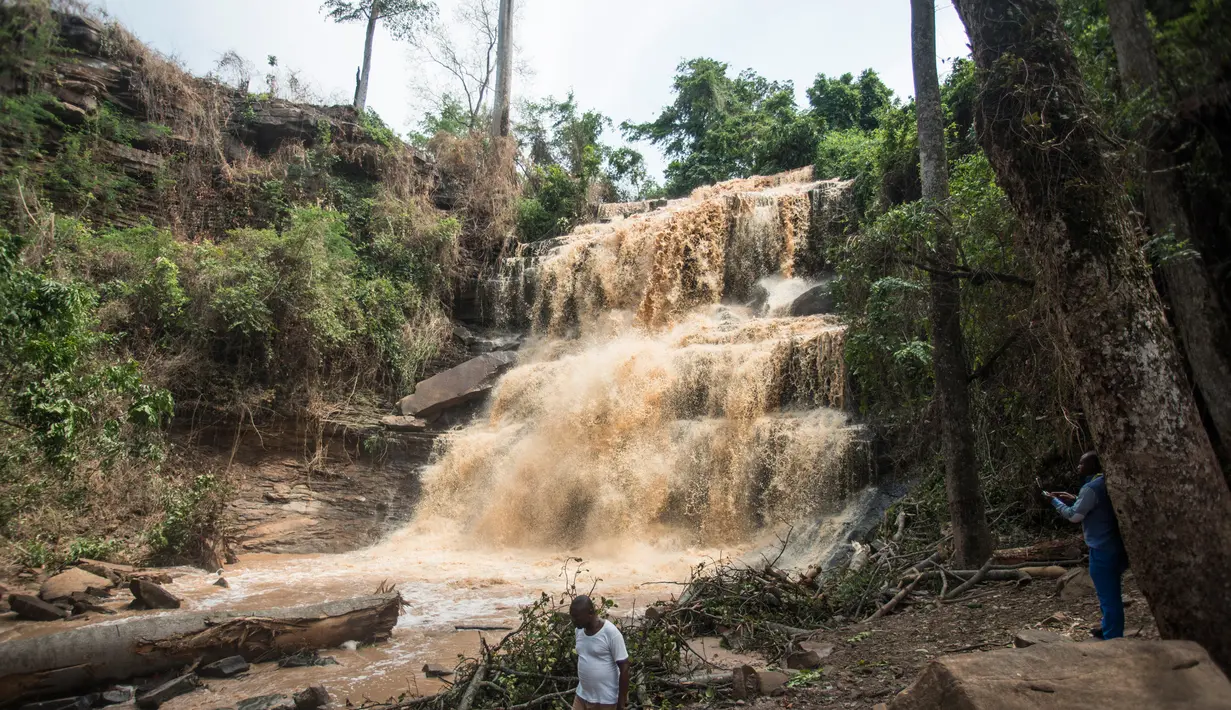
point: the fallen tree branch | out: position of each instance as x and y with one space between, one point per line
538 700
889 605
974 579
475 683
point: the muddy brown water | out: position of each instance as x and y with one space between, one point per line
446 579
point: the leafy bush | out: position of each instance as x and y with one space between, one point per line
190 518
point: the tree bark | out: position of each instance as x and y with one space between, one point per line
971 537
1039 134
361 92
1198 314
504 70
60 663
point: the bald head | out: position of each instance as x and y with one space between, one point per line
582 611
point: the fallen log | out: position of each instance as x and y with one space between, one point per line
1041 552
143 645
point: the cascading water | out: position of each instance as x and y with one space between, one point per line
646 407
654 421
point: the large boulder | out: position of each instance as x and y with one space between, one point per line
456 386
35 609
71 581
1075 584
1111 674
815 301
148 595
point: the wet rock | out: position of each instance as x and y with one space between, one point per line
171 689
814 301
74 580
307 659
396 423
1030 637
151 596
758 301
225 668
434 671
35 609
115 572
84 603
771 682
222 582
152 575
1075 584
311 698
1124 673
267 702
456 386
117 695
80 702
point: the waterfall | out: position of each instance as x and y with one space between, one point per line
653 401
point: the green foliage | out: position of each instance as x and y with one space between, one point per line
452 117
190 517
721 127
375 128
571 166
842 103
401 18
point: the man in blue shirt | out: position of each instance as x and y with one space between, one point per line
1108 560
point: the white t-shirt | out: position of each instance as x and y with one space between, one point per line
596 664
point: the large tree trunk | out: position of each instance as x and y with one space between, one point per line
504 70
60 663
971 536
361 91
1198 314
1040 135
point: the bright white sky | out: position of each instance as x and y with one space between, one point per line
618 56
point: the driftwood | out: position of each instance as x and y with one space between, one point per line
60 663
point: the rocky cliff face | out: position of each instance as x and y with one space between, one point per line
196 153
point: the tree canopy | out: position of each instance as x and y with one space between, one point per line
721 127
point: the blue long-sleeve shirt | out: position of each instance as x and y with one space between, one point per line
1093 510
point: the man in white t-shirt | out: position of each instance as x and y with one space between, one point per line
602 660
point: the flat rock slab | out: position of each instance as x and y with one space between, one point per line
1124 673
434 671
1030 637
73 580
225 668
115 572
396 423
171 689
456 386
35 609
152 596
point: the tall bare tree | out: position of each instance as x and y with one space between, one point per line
504 71
464 52
1044 142
401 18
971 536
1199 317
